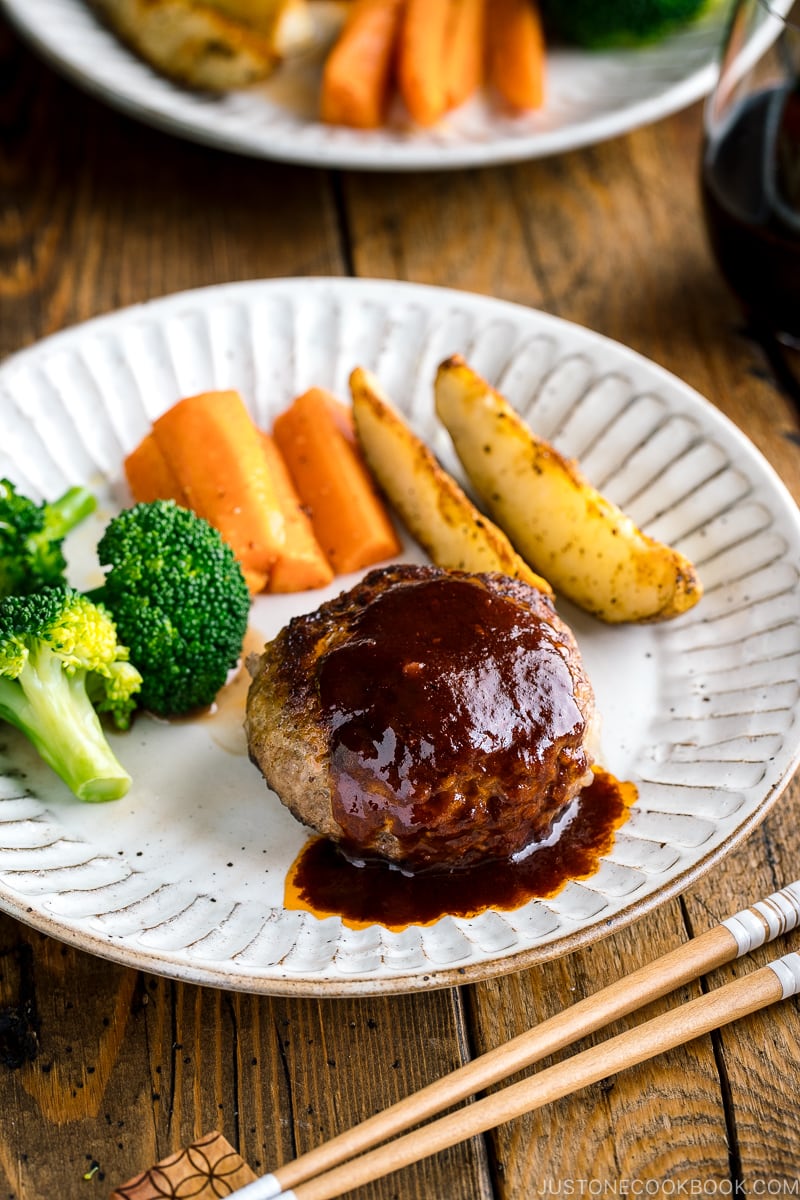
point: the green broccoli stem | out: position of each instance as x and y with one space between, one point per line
68 511
52 708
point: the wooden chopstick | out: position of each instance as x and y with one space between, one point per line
732 938
737 999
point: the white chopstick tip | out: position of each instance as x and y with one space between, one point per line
788 971
267 1187
766 919
752 927
748 930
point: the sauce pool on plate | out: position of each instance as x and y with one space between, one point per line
324 882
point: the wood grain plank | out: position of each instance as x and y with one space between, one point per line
98 211
75 1100
660 1121
141 1065
758 1058
350 1058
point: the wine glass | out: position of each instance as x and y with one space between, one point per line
751 165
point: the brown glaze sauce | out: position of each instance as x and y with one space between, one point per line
322 881
454 723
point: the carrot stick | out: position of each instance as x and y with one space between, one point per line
300 564
150 476
315 436
216 454
465 50
357 76
422 59
516 52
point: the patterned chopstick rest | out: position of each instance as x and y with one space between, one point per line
208 1169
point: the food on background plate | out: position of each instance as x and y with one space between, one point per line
432 55
61 663
436 511
619 22
515 53
464 65
283 20
421 53
429 717
213 44
357 75
435 54
585 546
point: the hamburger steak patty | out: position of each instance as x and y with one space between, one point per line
431 717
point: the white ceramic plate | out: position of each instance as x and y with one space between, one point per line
185 876
591 96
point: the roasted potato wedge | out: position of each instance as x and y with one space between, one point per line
434 509
588 549
288 24
206 45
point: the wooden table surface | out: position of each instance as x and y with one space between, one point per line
97 211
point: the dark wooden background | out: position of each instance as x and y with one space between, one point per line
97 211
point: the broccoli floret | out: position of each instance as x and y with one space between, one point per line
31 536
180 601
60 659
619 22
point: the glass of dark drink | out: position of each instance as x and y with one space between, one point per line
751 164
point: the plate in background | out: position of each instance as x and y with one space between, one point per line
591 96
185 875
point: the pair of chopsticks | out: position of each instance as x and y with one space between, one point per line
348 1161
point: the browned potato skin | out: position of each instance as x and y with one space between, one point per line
434 509
588 549
210 44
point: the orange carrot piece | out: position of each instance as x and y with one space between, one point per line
315 436
216 454
357 76
150 476
516 52
300 565
465 50
256 580
422 59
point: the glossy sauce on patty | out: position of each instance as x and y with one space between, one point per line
451 709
